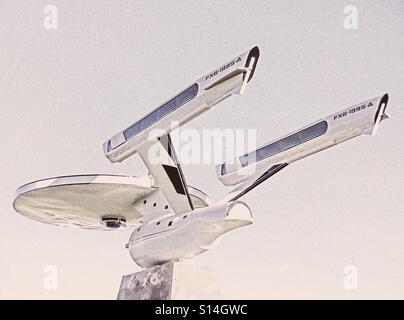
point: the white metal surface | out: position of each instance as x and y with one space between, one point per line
82 201
183 236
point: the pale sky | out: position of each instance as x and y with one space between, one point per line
64 92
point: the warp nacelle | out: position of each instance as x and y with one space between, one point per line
363 118
230 78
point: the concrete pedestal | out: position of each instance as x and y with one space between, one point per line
171 281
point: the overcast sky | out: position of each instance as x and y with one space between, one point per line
64 91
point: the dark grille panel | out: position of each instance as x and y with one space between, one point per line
286 143
162 111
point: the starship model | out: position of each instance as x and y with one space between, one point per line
173 221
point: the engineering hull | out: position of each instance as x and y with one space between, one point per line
179 237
